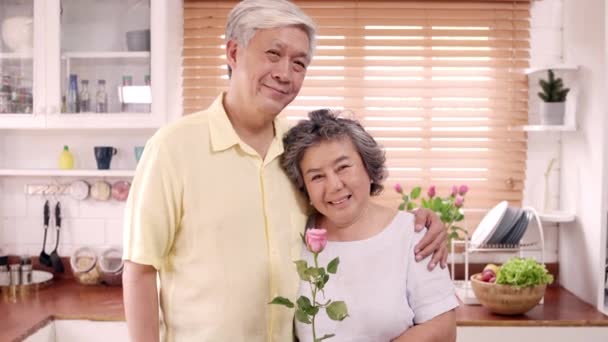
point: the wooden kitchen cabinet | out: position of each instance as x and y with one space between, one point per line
87 38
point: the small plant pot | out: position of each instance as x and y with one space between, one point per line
552 113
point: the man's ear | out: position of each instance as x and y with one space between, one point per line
231 51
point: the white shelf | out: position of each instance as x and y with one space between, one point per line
15 55
557 217
552 67
544 128
65 173
106 55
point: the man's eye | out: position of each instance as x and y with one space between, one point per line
343 167
316 177
272 52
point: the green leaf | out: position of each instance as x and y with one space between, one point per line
401 206
303 303
302 266
411 206
326 336
337 311
523 273
306 306
315 272
302 316
282 301
332 267
436 206
425 203
415 193
322 281
405 198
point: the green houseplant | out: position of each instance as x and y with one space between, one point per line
553 96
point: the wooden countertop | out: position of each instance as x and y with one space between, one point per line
66 299
63 299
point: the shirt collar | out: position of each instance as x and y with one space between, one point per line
223 135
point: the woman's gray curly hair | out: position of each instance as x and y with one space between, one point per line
326 125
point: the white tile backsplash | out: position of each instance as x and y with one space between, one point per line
84 223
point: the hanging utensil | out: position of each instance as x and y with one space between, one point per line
44 258
55 259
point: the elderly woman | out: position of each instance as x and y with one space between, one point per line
338 166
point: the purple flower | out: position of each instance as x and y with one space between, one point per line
463 190
454 190
431 192
398 188
459 201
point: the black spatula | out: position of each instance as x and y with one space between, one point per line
44 258
55 259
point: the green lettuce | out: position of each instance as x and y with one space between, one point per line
523 273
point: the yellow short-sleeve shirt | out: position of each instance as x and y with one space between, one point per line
221 225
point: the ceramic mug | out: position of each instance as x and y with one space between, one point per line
103 156
138 151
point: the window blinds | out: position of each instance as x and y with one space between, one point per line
440 84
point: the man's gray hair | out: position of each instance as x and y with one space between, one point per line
250 15
325 125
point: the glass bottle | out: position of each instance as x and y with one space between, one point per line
72 97
101 98
146 107
127 80
85 100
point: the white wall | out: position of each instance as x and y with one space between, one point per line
582 243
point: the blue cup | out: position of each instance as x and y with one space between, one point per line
103 156
138 151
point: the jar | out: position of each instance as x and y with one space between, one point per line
110 266
5 276
15 270
83 262
26 274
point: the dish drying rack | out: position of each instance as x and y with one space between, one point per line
463 288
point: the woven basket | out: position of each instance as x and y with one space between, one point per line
506 299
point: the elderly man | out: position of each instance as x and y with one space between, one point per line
210 211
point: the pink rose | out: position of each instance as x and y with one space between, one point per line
463 190
398 188
459 201
454 190
431 192
316 239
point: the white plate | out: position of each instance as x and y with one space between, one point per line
489 223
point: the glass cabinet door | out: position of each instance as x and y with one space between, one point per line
16 58
105 68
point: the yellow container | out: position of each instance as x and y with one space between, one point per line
66 160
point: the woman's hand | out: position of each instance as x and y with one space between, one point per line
434 241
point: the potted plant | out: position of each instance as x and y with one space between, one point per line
553 106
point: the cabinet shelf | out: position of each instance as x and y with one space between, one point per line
544 128
15 55
105 55
557 217
65 173
552 67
